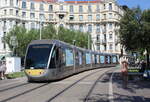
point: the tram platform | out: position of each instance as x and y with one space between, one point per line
138 89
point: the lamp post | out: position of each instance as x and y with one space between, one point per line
14 43
40 29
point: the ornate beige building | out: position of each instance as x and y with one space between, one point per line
99 18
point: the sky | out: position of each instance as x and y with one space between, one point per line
144 4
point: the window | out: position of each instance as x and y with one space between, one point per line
72 27
50 8
98 47
32 6
17 13
104 6
32 25
42 17
5 12
69 57
89 8
110 46
110 15
110 6
71 17
32 15
11 3
50 16
5 2
88 58
97 8
80 9
61 7
110 25
98 37
98 28
11 11
81 17
110 36
17 2
23 4
104 15
90 17
41 7
23 14
34 60
102 59
24 24
71 9
81 27
90 28
98 17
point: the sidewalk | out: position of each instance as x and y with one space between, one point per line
138 90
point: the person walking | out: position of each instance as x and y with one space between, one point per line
124 71
3 70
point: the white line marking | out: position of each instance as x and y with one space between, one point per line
111 96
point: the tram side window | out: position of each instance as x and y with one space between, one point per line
88 58
54 58
63 62
69 57
102 59
108 59
114 59
77 58
93 58
97 59
80 58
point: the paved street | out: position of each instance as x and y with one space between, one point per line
98 85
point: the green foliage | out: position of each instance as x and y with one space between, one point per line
24 37
135 29
15 75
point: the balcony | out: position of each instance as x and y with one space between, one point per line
10 17
97 42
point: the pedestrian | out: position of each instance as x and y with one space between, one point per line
124 71
3 70
143 66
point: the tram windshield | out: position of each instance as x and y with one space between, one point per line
37 56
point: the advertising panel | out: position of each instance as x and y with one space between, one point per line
88 58
102 59
69 57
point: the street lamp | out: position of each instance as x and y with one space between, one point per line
14 43
40 29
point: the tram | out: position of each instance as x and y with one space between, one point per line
48 60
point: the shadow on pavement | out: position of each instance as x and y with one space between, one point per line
138 90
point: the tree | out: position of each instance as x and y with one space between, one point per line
134 30
24 37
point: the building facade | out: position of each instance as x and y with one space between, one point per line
99 18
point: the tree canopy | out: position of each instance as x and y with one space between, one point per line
135 30
24 37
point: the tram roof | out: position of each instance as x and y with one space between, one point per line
64 44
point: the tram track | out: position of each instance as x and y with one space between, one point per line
87 97
73 84
24 92
12 87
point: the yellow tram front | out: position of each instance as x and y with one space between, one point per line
37 60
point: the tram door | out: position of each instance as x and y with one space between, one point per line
55 59
58 59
